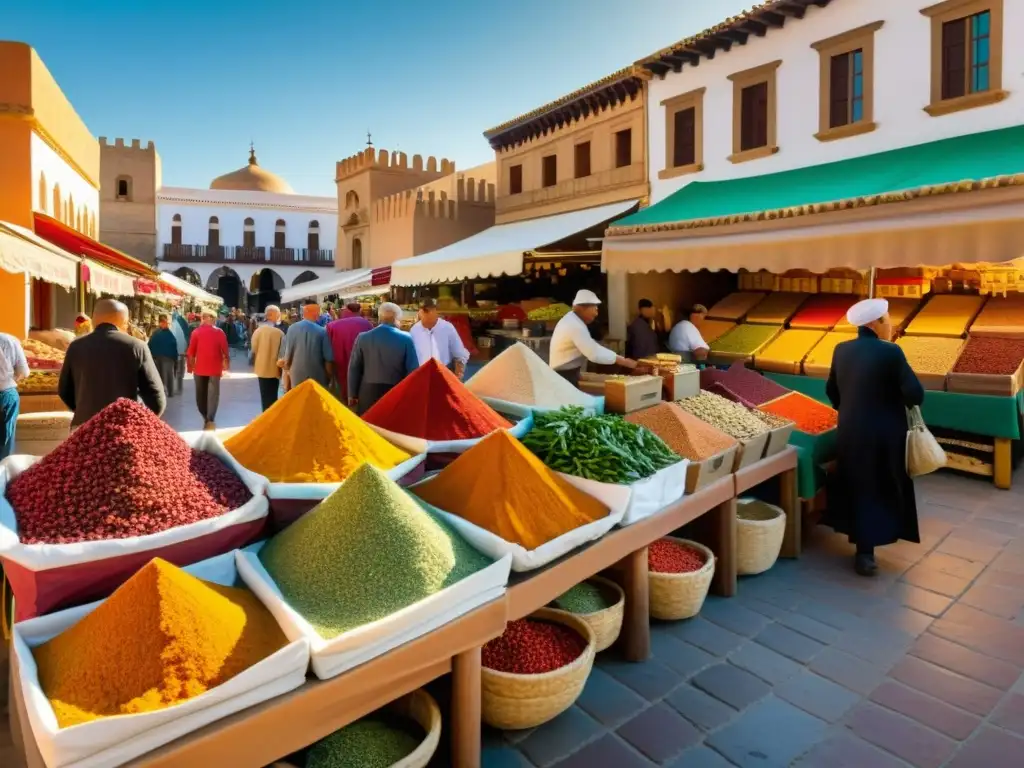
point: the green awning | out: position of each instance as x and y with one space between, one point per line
978 160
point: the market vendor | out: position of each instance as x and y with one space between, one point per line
685 338
436 337
572 345
641 337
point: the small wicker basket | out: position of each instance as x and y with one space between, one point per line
516 702
760 529
676 596
606 623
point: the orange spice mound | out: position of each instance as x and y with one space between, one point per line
501 487
683 432
808 414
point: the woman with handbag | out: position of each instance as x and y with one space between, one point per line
871 496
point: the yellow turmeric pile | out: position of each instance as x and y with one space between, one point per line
309 437
500 486
162 638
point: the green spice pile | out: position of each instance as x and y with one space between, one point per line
373 742
725 415
604 448
582 599
745 339
365 552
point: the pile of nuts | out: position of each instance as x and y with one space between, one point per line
725 415
930 354
772 420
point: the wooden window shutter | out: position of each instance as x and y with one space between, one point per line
954 59
684 152
754 117
839 91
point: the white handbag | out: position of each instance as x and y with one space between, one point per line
924 454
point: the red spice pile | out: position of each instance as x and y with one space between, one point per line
123 473
822 311
432 404
808 414
667 556
531 647
751 385
990 355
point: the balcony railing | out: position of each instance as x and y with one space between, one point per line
596 183
248 255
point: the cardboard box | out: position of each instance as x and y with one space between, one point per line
623 394
751 451
702 473
680 385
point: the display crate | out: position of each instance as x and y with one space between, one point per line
736 305
947 315
777 308
786 352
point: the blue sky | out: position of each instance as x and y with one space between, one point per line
306 80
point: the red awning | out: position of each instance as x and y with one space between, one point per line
380 276
75 242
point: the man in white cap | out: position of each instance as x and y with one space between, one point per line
870 495
572 345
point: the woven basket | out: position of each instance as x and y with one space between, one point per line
760 528
516 702
676 596
606 623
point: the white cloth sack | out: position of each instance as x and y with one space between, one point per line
330 658
523 559
38 557
320 491
521 411
120 738
645 497
924 454
419 445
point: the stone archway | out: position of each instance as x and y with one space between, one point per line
226 283
189 276
305 277
264 288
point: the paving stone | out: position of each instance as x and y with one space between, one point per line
991 748
999 601
704 711
969 550
814 694
770 666
919 746
896 616
945 685
607 700
607 752
660 733
676 654
732 685
651 679
952 565
707 636
850 672
953 722
813 628
844 750
830 615
878 645
770 733
768 610
789 643
730 615
502 757
931 603
554 740
700 757
1010 714
936 581
957 658
982 632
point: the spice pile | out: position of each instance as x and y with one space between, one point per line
583 599
608 449
162 638
519 375
823 311
42 357
736 305
808 414
900 310
823 351
946 315
432 404
751 385
533 647
777 308
930 354
377 741
309 437
123 473
550 312
1001 316
668 556
725 415
991 355
712 330
501 487
789 346
744 339
365 552
685 434
724 390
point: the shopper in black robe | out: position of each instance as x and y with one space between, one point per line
871 496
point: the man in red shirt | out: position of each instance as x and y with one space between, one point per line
208 360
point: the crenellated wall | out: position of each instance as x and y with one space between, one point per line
129 221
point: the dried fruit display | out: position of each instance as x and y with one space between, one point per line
789 346
39 383
745 339
823 311
946 315
991 356
900 311
736 305
42 357
930 354
777 308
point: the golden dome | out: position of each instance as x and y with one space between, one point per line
252 178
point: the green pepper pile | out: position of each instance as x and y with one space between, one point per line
605 448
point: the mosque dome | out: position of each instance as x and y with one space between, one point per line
252 178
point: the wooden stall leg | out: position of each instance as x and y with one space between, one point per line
465 723
1002 467
724 547
790 503
636 619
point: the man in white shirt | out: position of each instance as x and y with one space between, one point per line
436 337
685 338
572 345
13 368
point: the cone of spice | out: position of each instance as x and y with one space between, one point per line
684 433
309 437
431 403
519 375
503 488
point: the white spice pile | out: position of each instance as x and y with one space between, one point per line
519 375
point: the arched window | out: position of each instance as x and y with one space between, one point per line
351 200
357 254
124 188
249 234
69 217
279 232
313 236
58 210
176 229
213 233
44 193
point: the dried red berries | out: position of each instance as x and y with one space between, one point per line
667 556
990 355
533 647
123 473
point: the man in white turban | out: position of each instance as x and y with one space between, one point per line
871 496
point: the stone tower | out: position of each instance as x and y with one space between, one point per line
129 181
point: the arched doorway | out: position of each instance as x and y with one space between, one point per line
189 276
305 277
225 282
264 288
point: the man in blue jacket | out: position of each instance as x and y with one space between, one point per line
164 348
381 358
